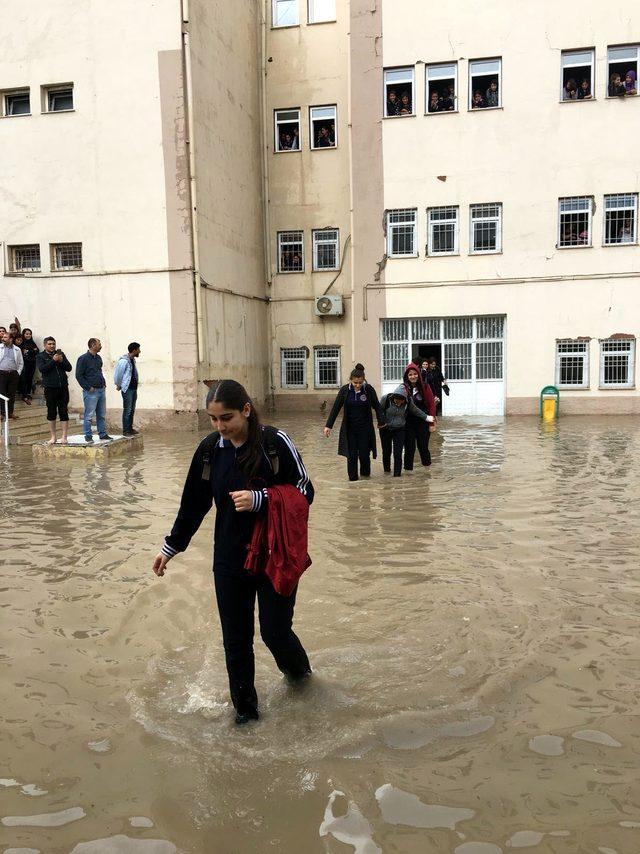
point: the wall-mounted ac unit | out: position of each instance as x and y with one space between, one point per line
329 305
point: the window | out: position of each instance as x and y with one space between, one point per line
443 231
58 99
395 349
489 360
287 130
24 259
322 130
442 88
401 233
622 63
574 221
457 360
572 363
620 219
326 249
485 229
285 13
17 103
290 252
398 92
321 10
293 367
485 84
66 256
617 362
326 367
577 75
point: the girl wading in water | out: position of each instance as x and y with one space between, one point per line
233 468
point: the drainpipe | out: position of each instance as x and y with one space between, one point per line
195 249
351 185
266 217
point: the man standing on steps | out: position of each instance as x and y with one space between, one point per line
126 379
89 375
54 367
11 365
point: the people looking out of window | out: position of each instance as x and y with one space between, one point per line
326 137
625 235
493 97
405 105
584 90
434 102
289 141
630 83
442 102
570 91
393 103
616 86
478 102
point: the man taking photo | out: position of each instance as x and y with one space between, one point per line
54 367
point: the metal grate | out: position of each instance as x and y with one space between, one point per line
66 256
293 367
401 232
395 330
489 360
620 218
490 327
327 367
486 228
617 359
574 221
395 358
457 328
572 363
457 361
325 249
443 230
24 259
425 330
290 252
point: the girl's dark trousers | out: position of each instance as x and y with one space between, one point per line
392 440
416 433
26 379
236 596
359 447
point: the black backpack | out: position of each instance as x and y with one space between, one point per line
269 444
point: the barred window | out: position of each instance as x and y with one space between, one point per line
457 361
66 256
285 13
16 103
489 360
457 328
58 99
401 232
576 82
485 83
395 358
395 330
486 228
620 219
326 367
574 221
398 92
427 329
572 363
24 259
326 249
290 252
286 130
293 367
443 231
490 327
617 362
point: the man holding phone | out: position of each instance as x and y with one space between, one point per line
54 367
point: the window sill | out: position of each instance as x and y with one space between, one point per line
573 387
21 273
471 109
290 272
68 270
577 100
619 97
616 388
284 26
402 257
581 246
487 252
618 245
440 113
324 147
393 118
316 24
18 116
55 112
442 255
288 151
326 270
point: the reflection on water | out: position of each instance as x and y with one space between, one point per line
473 628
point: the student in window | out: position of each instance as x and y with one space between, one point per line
478 101
616 86
493 97
434 102
405 105
326 138
449 99
584 91
289 141
625 235
393 103
630 86
583 237
570 91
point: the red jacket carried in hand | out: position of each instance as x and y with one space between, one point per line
278 547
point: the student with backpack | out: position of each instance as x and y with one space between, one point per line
233 468
395 407
417 430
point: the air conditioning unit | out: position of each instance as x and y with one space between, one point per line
327 306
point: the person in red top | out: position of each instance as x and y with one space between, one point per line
417 432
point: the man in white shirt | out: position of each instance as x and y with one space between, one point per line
11 365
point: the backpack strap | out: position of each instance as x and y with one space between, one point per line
270 445
207 452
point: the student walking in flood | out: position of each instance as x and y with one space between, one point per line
235 468
395 408
357 441
417 431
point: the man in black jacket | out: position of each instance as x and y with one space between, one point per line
54 367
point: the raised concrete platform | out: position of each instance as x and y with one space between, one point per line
77 447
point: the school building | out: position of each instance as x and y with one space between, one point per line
274 190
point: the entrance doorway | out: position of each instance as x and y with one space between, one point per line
428 351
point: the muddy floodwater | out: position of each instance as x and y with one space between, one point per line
474 630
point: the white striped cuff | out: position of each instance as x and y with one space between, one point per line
259 498
167 550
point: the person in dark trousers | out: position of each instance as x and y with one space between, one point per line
232 468
89 375
11 366
54 367
436 381
30 352
357 441
125 377
417 431
394 408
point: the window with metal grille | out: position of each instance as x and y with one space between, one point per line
442 88
58 99
395 358
457 361
24 259
395 330
443 231
576 82
485 83
290 252
617 362
401 232
620 61
326 367
321 10
486 228
293 367
398 92
322 127
285 13
490 327
458 328
287 130
489 360
66 256
574 221
326 249
17 103
572 363
620 219
427 329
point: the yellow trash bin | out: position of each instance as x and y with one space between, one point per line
549 403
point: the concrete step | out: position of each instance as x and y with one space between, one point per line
24 434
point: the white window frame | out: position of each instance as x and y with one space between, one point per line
276 130
476 62
312 136
589 210
473 218
408 80
282 243
566 55
292 355
632 208
58 89
316 238
435 66
411 219
320 357
581 351
53 252
11 252
430 228
627 47
12 93
630 353
274 12
311 12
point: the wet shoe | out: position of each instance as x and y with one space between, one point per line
105 437
89 440
243 718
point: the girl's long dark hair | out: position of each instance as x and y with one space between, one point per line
234 396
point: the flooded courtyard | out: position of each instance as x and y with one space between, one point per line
473 630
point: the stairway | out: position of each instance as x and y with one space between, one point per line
31 423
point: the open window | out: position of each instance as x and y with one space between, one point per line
285 13
442 88
322 130
16 103
320 11
57 99
486 229
577 75
620 219
622 64
575 214
290 252
398 92
287 130
443 231
485 84
401 233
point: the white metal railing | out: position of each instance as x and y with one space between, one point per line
6 419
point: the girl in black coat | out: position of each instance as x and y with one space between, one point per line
357 434
29 352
